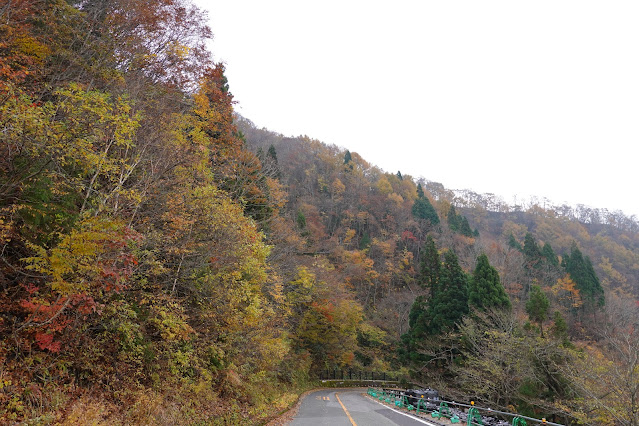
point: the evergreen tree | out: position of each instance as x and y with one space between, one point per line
347 157
272 153
442 312
583 274
430 266
450 303
560 328
464 227
453 219
549 254
417 323
423 209
513 243
537 307
485 289
531 251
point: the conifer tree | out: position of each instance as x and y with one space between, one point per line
453 219
531 251
442 312
347 157
560 328
513 243
464 227
583 274
423 209
450 303
430 266
272 153
537 307
549 254
485 289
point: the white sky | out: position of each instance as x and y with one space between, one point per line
507 97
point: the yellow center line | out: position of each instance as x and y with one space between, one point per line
345 410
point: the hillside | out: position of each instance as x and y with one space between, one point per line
164 261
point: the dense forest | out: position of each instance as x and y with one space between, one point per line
165 261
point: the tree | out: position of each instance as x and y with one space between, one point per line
549 254
537 307
607 375
423 209
440 313
430 267
583 274
513 243
453 219
559 328
464 228
531 251
485 290
450 303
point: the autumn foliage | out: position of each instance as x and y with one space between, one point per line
165 261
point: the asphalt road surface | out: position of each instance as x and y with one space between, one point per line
349 407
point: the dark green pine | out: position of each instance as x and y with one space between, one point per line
464 227
429 266
450 303
513 243
583 274
548 253
531 250
537 307
423 209
485 289
453 219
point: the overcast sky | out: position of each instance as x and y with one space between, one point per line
506 97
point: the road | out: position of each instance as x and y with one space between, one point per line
349 407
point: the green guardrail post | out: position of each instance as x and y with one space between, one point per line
444 411
473 415
518 421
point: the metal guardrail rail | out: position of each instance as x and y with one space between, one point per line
439 408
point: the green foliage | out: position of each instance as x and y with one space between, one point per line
453 219
423 209
537 306
531 251
485 290
583 274
450 303
549 254
513 243
144 249
301 220
430 266
443 310
559 328
347 157
459 223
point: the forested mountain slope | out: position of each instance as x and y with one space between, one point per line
166 262
570 274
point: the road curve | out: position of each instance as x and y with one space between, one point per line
349 407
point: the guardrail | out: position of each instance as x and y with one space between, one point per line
340 374
438 408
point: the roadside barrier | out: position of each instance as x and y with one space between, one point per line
453 411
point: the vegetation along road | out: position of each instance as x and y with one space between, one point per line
349 407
